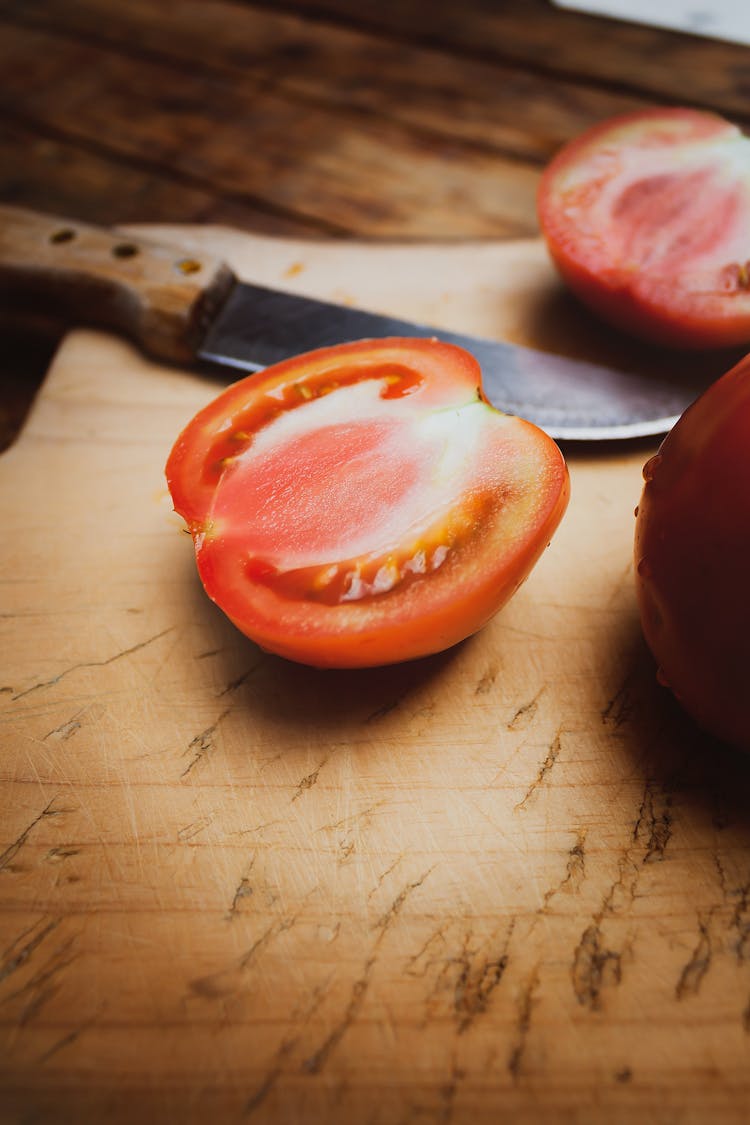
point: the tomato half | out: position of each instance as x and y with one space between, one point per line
646 217
692 553
364 504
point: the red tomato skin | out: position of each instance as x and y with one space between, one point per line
640 300
692 558
509 505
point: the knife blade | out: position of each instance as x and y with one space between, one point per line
187 309
570 399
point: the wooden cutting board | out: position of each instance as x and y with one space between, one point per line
509 883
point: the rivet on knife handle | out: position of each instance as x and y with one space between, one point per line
161 299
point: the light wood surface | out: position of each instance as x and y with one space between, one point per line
510 883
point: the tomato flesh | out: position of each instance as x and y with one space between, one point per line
646 217
364 504
692 547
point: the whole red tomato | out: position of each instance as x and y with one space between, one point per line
364 504
646 217
692 556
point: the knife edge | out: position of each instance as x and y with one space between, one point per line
569 398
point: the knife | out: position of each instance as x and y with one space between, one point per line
183 309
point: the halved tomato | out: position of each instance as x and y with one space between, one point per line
647 216
364 504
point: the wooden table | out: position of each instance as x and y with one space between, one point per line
381 120
510 884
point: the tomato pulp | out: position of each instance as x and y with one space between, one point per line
646 217
364 504
692 547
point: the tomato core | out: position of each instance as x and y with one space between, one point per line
665 225
646 217
396 380
316 491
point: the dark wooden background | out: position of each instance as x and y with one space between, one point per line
382 119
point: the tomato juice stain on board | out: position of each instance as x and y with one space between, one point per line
646 218
364 504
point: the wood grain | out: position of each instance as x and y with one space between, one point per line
507 883
55 173
309 118
345 172
367 120
622 57
495 105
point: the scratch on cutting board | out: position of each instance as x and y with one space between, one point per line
244 889
384 922
475 984
315 1063
310 779
67 729
224 981
284 1049
65 1041
740 923
552 756
691 977
384 875
93 664
412 967
13 849
593 967
385 708
484 684
16 955
42 986
59 855
365 817
654 823
202 744
525 712
189 830
523 1026
575 871
271 1078
277 928
448 1093
722 875
624 886
620 707
233 685
259 943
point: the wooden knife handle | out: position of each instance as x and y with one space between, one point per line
162 299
